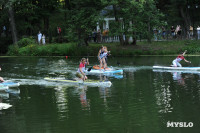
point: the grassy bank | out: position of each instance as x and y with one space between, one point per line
142 48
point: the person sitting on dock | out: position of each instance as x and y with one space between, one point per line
80 73
178 59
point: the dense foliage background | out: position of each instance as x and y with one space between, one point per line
78 18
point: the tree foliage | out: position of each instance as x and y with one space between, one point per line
133 18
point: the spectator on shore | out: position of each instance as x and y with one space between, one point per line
107 34
4 31
163 32
177 29
43 39
179 32
94 35
59 30
39 37
191 32
155 33
104 36
198 32
99 36
173 31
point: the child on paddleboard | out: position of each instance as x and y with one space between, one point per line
80 73
102 56
180 57
1 79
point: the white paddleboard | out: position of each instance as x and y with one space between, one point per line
177 68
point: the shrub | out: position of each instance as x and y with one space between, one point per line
25 41
13 50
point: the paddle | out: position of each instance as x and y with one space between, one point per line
89 69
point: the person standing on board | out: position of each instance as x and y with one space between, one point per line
1 79
103 58
101 51
80 73
178 59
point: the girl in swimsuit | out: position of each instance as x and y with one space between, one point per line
80 73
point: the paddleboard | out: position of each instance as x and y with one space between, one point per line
10 84
177 68
172 71
4 106
3 87
94 71
87 82
97 67
13 91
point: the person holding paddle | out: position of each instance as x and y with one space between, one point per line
102 56
178 59
80 73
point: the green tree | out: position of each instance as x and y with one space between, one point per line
82 18
135 17
9 7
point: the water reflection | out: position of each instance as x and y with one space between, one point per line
85 103
163 93
61 99
132 104
177 76
4 95
163 99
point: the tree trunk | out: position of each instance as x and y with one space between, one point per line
46 24
149 32
134 34
134 38
12 25
186 18
81 38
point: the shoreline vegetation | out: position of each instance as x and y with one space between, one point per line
27 47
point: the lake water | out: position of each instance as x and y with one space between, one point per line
139 101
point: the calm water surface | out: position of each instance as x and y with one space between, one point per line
139 101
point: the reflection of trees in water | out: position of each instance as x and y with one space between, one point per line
3 95
163 96
61 67
178 77
104 93
162 92
61 99
85 103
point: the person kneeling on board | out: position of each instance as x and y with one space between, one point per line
1 79
80 73
178 59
